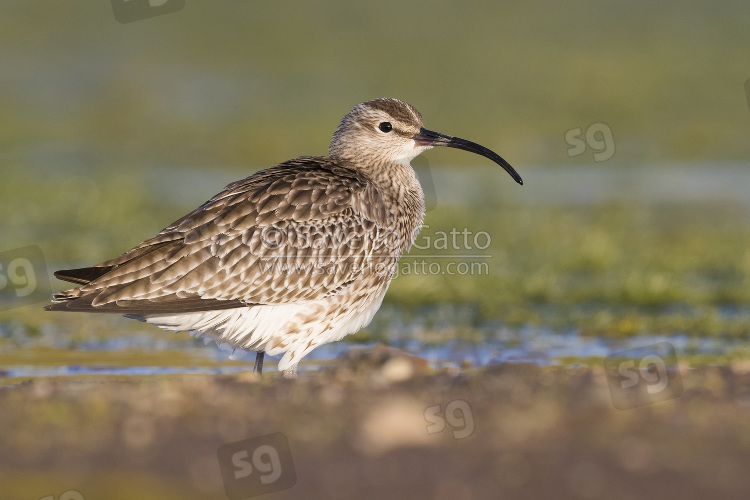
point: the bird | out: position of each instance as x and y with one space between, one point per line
292 257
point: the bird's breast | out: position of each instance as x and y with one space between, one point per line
410 209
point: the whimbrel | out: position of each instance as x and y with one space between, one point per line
292 257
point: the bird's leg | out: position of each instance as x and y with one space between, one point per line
258 368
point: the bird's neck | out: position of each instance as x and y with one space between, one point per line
399 182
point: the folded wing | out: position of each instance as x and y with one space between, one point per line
296 232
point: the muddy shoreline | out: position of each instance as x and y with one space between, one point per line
378 428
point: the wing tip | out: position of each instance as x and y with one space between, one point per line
57 306
82 275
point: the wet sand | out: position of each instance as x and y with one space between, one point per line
374 425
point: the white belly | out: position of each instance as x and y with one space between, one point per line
293 329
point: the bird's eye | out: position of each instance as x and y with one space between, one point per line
385 127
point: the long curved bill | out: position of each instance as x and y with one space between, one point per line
429 138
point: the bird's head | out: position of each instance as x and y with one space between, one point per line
391 131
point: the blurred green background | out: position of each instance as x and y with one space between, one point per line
241 84
111 131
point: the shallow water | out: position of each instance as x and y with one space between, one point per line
440 335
